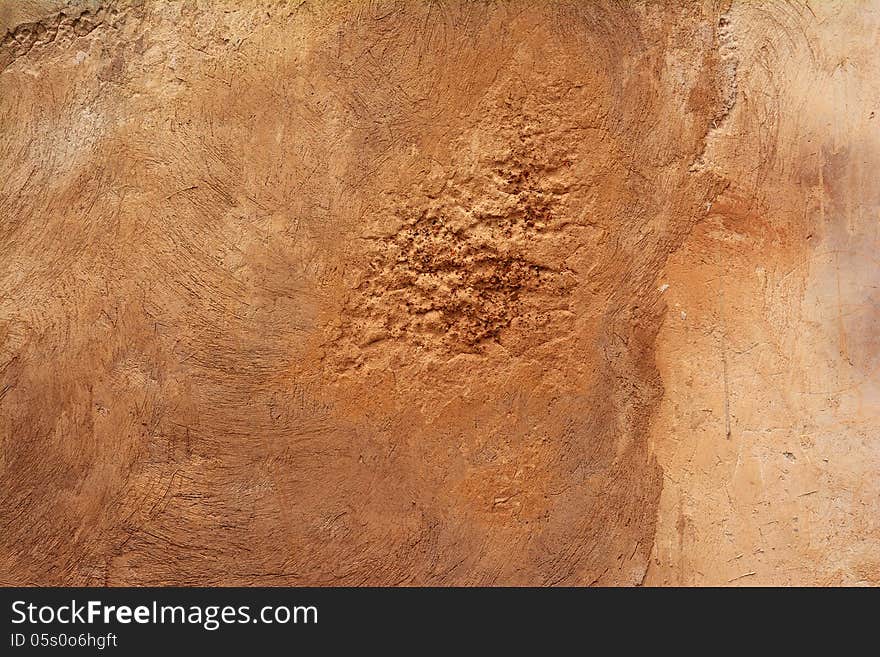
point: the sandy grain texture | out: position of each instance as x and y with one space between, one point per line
438 293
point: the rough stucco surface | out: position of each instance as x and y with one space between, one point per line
439 293
773 332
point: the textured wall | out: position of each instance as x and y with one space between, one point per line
773 331
438 293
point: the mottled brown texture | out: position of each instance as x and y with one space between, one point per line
358 292
772 330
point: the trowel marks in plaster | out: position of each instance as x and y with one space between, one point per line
347 293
